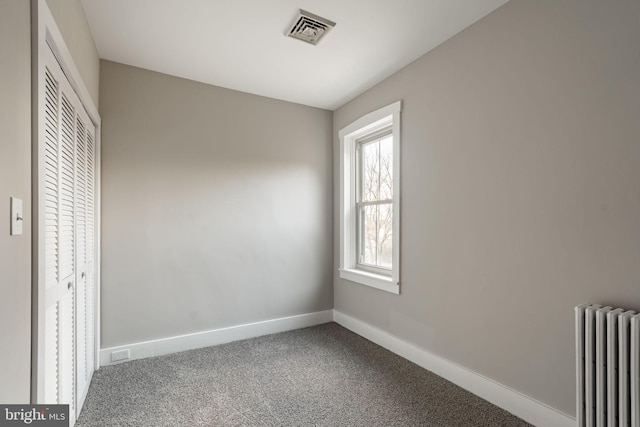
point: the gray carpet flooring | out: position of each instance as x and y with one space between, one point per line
319 376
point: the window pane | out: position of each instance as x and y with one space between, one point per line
370 174
376 235
385 236
386 168
369 234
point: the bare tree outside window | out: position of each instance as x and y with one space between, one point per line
375 209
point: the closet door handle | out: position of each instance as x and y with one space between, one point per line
82 275
69 285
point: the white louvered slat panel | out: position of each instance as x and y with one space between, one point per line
66 362
81 330
81 193
91 185
66 185
91 248
90 284
51 355
51 194
81 229
51 101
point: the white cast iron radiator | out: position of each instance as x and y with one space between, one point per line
607 366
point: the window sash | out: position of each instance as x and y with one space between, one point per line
361 236
375 136
360 233
369 138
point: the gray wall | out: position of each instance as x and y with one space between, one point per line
520 194
15 181
217 207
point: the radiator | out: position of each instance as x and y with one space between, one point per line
607 366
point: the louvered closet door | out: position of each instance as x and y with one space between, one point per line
59 243
68 186
91 267
85 184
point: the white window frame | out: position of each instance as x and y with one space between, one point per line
366 125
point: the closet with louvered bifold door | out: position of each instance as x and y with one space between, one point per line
66 235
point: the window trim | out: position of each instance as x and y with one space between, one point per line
349 136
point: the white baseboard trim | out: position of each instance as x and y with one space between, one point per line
523 406
175 344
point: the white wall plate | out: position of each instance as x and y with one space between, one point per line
17 217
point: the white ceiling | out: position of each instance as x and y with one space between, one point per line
240 44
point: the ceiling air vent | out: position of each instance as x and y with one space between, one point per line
309 27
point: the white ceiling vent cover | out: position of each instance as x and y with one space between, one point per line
309 27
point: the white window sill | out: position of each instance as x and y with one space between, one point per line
377 281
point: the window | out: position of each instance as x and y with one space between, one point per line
369 199
374 202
